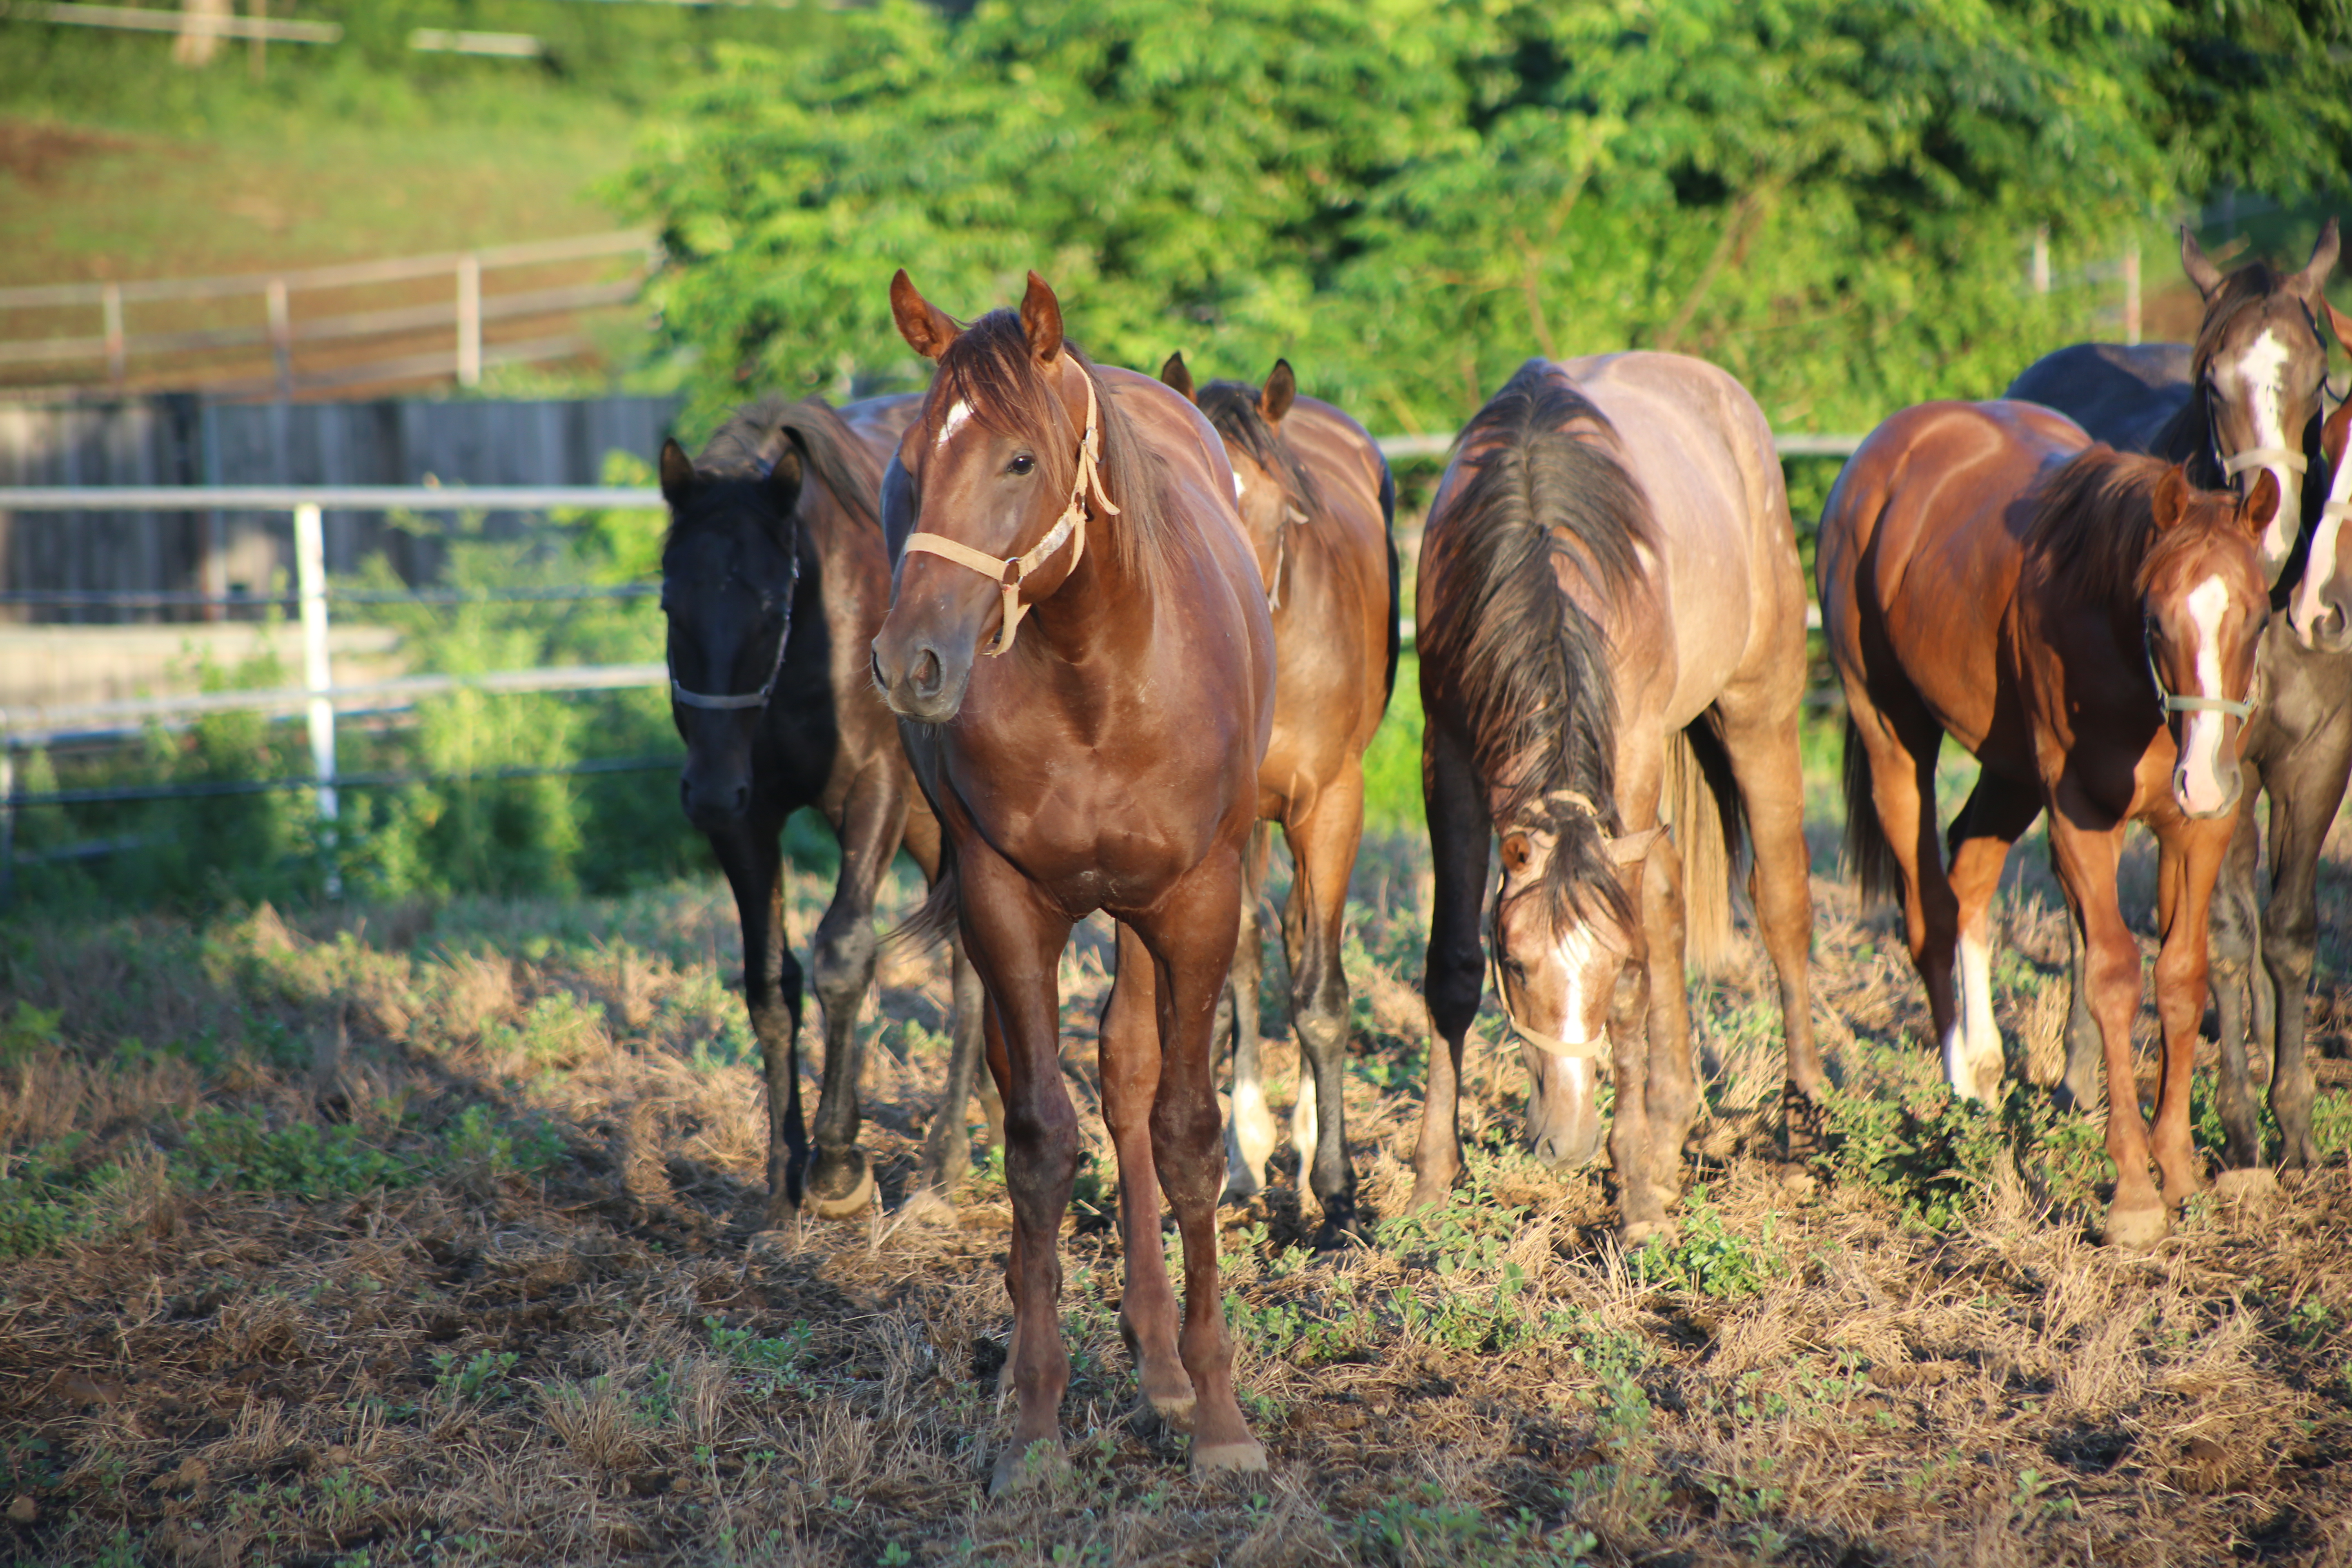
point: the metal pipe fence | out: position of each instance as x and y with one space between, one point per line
318 695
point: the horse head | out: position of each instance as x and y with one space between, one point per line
730 571
2259 364
1002 460
2204 603
1271 490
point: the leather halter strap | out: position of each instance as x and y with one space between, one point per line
2241 711
1011 571
725 702
2262 458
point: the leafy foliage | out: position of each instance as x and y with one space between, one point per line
1831 198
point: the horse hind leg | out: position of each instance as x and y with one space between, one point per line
1998 811
2290 931
753 862
842 1182
1250 1135
1323 847
947 1149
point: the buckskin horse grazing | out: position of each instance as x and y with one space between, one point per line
1612 622
1316 500
2242 400
2085 623
1100 751
773 581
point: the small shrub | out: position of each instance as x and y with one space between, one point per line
1426 1526
240 1149
481 1377
1708 1260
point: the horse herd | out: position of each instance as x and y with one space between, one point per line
1074 636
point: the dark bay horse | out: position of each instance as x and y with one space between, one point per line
1317 500
1612 635
2298 751
774 579
2085 623
1080 656
2245 398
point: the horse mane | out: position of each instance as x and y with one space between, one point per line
751 440
2093 523
1232 409
989 367
1531 666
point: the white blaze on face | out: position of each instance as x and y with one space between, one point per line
1576 950
2319 572
2202 787
954 421
2260 372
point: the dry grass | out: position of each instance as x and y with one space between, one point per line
537 1327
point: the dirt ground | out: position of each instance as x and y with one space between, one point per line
427 1235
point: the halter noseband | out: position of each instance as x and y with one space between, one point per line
723 702
1626 849
2177 704
1012 570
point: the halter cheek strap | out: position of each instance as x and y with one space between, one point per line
2177 704
1012 571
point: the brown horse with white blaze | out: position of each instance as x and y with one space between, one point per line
1079 652
1612 635
1317 500
2086 624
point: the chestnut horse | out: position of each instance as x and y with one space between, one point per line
1612 627
2243 399
2085 623
773 581
1101 752
1316 500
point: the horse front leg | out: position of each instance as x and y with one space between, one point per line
752 858
2192 852
842 1182
1015 941
2233 924
1250 1136
2301 816
1129 1064
947 1148
1452 976
1188 932
1323 844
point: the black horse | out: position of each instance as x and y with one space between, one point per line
774 579
2244 399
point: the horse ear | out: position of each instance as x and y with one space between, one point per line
2201 272
2171 502
1041 320
2339 322
676 472
2313 279
2261 505
1517 853
785 479
1177 374
2336 434
927 328
1281 387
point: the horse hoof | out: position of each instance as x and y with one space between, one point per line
1637 1234
1018 1468
926 1207
1173 1411
844 1190
2136 1230
1211 1458
2259 1186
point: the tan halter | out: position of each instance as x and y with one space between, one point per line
1013 569
2262 458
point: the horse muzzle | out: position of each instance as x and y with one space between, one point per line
2203 800
919 679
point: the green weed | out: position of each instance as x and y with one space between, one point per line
1425 1526
482 1375
1709 1260
241 1151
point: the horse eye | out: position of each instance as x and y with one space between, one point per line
1023 464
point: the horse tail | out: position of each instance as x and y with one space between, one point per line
1868 854
1710 821
1396 609
935 920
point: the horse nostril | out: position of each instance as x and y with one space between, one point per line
874 663
929 675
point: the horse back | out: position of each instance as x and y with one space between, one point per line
1921 543
2122 393
1347 542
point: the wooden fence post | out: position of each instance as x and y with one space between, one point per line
2042 259
469 320
111 304
281 336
